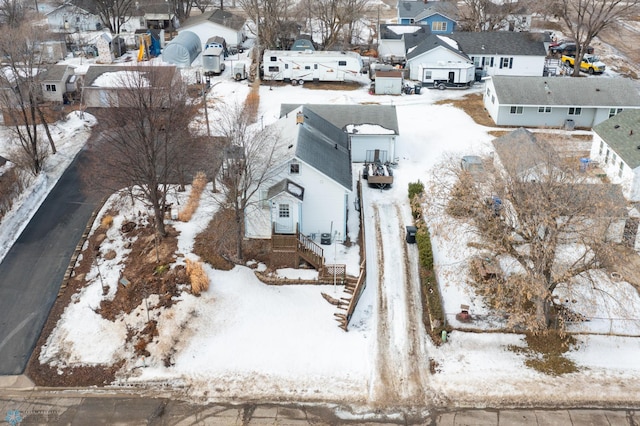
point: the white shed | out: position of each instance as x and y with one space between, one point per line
182 50
389 82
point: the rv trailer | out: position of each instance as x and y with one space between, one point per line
299 67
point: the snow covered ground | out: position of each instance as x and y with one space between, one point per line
243 340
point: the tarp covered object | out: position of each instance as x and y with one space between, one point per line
182 50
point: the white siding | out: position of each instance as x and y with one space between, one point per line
629 179
391 48
511 65
322 206
360 144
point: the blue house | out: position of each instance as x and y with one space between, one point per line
440 16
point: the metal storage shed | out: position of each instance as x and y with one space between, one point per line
182 50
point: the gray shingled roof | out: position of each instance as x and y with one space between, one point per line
54 73
160 72
324 147
285 186
500 42
220 17
430 43
396 31
520 151
566 91
420 10
622 133
343 115
227 19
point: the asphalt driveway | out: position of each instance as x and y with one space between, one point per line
32 271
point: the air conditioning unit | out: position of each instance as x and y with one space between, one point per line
325 238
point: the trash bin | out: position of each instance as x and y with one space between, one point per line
417 89
411 234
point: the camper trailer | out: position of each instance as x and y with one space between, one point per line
443 75
213 60
298 67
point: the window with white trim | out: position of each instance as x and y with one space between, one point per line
294 168
50 87
544 109
439 26
621 169
516 110
283 210
575 110
601 148
614 111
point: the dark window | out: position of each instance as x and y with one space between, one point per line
307 67
274 69
575 111
294 168
342 63
273 59
283 210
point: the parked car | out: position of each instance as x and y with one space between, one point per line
568 49
590 63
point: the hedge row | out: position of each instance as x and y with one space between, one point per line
432 302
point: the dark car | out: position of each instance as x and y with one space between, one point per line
568 49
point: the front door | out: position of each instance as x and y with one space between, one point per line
284 219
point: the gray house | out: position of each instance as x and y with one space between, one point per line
557 102
370 128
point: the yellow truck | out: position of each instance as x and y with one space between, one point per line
590 63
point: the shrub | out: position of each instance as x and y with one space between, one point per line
197 277
106 222
197 187
415 188
430 291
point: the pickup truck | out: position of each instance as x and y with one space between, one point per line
590 63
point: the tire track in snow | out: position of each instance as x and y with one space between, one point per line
401 363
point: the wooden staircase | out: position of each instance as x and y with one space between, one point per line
310 252
298 245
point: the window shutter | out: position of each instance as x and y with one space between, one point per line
500 63
510 62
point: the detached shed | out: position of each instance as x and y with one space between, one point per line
389 82
182 50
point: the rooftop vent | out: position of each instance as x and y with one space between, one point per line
617 126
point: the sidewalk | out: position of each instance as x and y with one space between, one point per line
33 406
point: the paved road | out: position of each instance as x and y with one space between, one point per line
32 271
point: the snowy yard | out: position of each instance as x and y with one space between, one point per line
244 340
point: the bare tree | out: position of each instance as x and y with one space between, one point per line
144 137
486 15
336 20
181 9
251 157
114 13
585 19
12 13
203 5
543 216
269 17
20 93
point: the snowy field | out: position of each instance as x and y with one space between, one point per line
243 340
